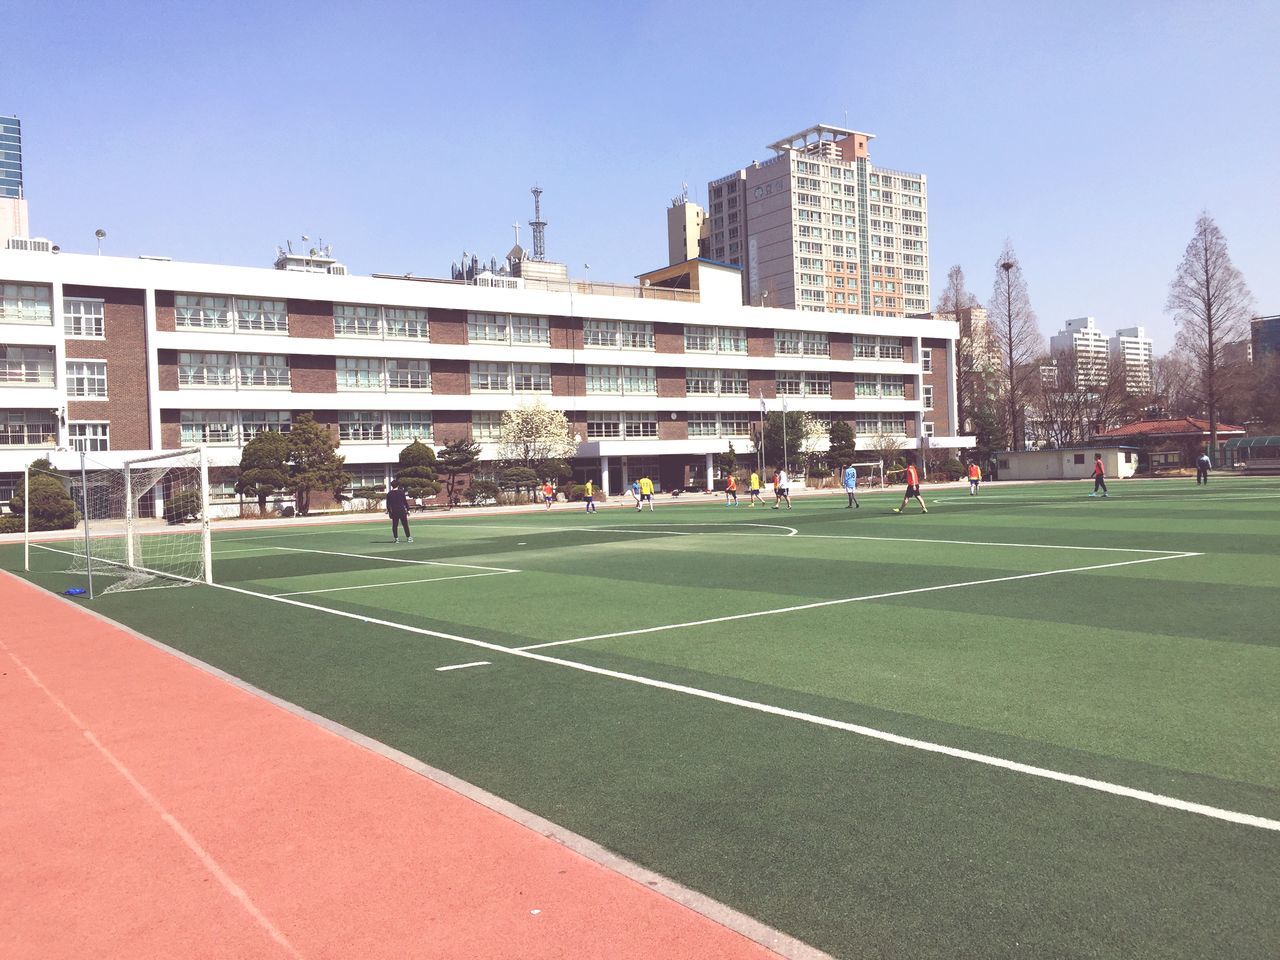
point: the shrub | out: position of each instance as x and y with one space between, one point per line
10 524
51 506
181 506
482 491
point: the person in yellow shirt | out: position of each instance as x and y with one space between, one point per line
589 495
975 478
646 494
753 487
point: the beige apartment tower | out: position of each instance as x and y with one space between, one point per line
818 227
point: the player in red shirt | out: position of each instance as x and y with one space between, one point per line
1099 477
913 490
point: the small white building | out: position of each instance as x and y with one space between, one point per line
1072 463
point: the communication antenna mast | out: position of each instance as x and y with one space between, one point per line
539 226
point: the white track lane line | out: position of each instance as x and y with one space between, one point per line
397 583
843 600
1102 786
206 859
374 556
463 666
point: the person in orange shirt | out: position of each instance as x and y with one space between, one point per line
1099 477
975 478
913 490
731 491
548 494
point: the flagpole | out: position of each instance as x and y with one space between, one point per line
760 445
784 432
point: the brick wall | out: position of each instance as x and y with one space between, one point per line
450 377
447 326
677 429
165 319
760 343
168 369
310 374
447 425
841 386
762 381
841 346
567 380
170 430
125 351
940 415
311 318
566 333
671 381
668 337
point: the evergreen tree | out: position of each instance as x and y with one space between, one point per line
314 463
417 471
458 458
264 469
843 448
51 506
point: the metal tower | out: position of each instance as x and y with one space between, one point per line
539 227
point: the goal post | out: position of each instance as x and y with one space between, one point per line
144 523
873 470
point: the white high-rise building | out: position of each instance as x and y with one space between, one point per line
1082 346
1132 346
818 227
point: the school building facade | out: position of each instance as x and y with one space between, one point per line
122 357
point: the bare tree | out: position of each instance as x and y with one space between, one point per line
1211 303
1068 403
1013 324
1174 392
953 303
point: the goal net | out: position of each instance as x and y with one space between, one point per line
142 524
870 473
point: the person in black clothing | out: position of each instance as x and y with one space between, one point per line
398 510
1202 469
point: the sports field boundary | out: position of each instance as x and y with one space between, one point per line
782 944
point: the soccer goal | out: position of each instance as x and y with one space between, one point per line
870 473
144 523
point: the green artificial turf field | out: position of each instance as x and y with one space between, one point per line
1029 724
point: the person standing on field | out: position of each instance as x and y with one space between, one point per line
783 490
975 478
753 489
589 495
1099 477
548 493
1202 469
731 491
635 492
913 490
646 494
849 480
398 511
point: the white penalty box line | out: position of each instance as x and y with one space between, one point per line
1101 786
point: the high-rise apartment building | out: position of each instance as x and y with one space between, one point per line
1264 337
818 227
13 204
1132 347
1080 346
686 231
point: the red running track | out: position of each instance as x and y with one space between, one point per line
154 810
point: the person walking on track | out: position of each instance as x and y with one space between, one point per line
398 511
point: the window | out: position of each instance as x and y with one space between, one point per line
815 345
525 330
732 339
83 319
638 426
486 425
600 333
789 383
735 425
405 426
26 303
28 428
403 323
26 366
531 377
87 378
928 428
893 387
487 328
927 393
603 380
207 426
360 426
640 380
1078 458
877 348
254 422
699 381
926 359
788 341
866 385
704 425
356 320
206 370
699 339
637 336
733 382
88 437
369 478
194 311
359 373
408 375
603 426
263 370
817 384
261 316
490 377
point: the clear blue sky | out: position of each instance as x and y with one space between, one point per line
1091 134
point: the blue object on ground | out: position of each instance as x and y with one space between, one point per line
75 592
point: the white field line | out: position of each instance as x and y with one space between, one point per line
374 556
463 666
1102 786
843 600
396 583
236 892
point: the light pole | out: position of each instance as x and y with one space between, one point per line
1007 266
100 235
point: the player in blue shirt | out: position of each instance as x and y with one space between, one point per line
850 482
